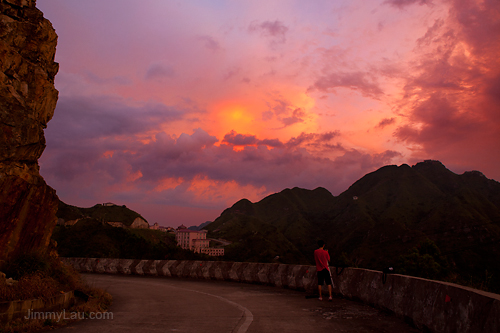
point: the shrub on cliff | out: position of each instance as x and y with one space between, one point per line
39 276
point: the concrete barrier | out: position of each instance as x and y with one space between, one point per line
430 305
19 309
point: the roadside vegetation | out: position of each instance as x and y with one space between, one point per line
36 275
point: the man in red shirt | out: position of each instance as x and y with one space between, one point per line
322 258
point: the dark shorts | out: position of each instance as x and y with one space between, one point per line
324 276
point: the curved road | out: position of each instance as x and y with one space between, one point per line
150 304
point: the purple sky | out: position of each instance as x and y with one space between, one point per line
178 109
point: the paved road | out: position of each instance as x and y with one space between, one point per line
150 304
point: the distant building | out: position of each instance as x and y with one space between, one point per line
213 251
107 204
161 228
196 241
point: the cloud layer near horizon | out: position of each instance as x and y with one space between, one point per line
179 110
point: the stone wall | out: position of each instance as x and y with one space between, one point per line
431 305
27 102
25 309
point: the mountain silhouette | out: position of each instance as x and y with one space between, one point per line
423 220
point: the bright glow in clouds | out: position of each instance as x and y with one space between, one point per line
178 109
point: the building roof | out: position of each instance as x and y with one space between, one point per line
192 231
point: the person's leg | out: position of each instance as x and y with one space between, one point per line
329 282
321 281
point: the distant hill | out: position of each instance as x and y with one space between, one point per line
103 213
423 220
91 238
87 233
199 227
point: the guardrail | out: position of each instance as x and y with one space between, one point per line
430 305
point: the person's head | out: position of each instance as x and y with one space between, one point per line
321 243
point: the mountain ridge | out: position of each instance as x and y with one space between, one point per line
381 218
103 213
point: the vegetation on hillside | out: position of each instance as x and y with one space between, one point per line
424 261
90 238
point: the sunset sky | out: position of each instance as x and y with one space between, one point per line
178 109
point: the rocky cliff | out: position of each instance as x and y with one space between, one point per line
27 102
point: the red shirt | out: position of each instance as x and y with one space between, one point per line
322 258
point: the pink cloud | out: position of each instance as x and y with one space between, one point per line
209 42
386 122
276 30
405 3
454 110
364 82
312 139
158 71
286 113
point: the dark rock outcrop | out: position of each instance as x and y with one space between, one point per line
27 102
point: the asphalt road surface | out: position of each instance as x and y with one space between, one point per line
153 304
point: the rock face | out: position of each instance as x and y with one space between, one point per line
27 102
139 223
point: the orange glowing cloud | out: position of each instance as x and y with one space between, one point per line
167 184
231 115
208 191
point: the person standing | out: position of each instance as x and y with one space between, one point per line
322 258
